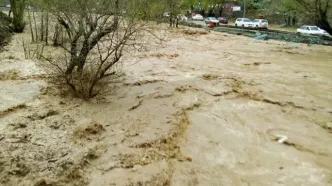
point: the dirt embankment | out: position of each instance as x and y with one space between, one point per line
204 108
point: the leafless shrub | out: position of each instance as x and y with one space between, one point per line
99 34
33 50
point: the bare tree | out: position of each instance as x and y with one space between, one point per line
99 32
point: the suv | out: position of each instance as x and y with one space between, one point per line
244 22
261 23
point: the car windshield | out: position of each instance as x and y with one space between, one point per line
314 28
246 20
264 21
256 20
199 15
212 18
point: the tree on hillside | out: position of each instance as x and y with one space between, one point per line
317 10
17 7
173 7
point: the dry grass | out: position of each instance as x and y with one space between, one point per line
10 75
195 32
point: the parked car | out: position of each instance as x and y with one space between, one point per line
260 23
211 19
198 17
311 30
244 22
165 14
182 18
223 20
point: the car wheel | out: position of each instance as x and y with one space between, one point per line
235 25
242 26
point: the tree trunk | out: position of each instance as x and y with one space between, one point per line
47 23
56 36
36 29
17 7
42 27
289 20
177 22
31 29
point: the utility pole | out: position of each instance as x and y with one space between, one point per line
244 8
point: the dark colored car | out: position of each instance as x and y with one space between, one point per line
223 20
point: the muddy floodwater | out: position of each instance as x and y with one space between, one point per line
200 108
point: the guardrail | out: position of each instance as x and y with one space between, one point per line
268 30
265 34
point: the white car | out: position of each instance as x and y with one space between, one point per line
244 22
261 23
198 17
165 14
182 18
211 19
311 30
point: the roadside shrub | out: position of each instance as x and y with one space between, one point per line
5 28
98 32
